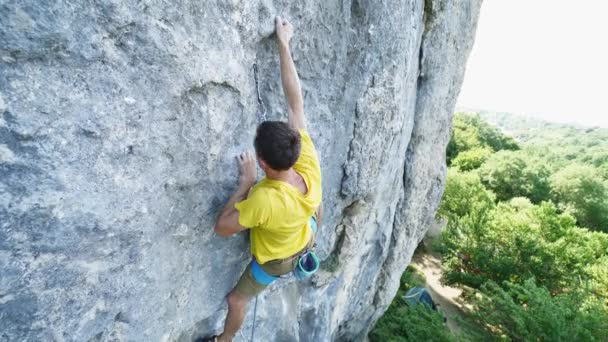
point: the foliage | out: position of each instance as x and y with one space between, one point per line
471 159
410 278
580 190
466 204
512 233
527 312
464 195
514 174
470 132
560 144
403 323
520 240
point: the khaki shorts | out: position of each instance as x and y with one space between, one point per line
247 284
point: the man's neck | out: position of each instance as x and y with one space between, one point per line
283 176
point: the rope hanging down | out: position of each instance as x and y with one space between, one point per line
261 113
261 116
255 311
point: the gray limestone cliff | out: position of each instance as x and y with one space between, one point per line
119 124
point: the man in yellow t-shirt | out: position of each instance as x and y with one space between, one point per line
280 209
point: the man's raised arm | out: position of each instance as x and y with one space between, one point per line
289 75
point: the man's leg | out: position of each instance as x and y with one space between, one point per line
246 288
237 304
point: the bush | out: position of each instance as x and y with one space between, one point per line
580 190
469 132
520 240
403 323
527 312
471 159
512 174
465 205
464 195
497 248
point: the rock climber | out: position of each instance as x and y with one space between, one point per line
283 210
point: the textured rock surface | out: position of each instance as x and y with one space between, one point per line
119 123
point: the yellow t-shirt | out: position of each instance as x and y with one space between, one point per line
278 213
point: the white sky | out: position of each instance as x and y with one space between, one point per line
543 58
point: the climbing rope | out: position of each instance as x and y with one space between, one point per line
255 311
261 114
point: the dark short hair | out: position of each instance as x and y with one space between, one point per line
277 144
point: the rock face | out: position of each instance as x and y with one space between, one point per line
119 124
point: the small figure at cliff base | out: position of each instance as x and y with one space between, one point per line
283 210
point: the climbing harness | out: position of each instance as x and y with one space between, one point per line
308 263
261 113
260 275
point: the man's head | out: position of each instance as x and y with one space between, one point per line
277 145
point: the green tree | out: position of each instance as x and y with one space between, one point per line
471 159
464 195
515 174
492 136
527 312
603 171
466 205
403 323
469 131
463 138
521 240
558 144
581 190
497 248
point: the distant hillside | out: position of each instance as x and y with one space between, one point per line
566 142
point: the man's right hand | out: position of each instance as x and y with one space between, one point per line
289 75
284 30
248 169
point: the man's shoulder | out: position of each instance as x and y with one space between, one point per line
259 191
263 191
256 203
305 136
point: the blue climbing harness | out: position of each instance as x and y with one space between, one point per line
308 264
260 275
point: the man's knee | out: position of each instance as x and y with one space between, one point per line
236 299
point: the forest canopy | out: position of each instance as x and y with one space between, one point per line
527 216
525 207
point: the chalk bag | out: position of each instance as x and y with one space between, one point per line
308 264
